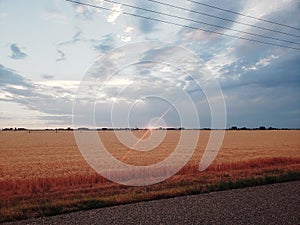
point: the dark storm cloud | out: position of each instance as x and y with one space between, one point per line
15 88
214 16
146 25
263 94
260 82
253 106
8 76
288 15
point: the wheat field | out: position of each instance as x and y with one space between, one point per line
44 169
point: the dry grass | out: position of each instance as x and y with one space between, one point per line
42 171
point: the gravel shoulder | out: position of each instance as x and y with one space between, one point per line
269 204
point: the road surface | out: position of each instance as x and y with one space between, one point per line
269 204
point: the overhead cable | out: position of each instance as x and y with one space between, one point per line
184 26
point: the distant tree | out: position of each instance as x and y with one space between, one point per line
7 128
262 128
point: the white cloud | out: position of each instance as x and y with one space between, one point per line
128 29
124 38
261 63
54 16
266 61
67 84
198 35
220 60
258 8
116 12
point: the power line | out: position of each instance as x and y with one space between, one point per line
185 26
241 14
201 22
221 18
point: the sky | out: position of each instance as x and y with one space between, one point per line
68 65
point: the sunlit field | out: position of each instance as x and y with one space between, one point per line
43 172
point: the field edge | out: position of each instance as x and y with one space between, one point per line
56 208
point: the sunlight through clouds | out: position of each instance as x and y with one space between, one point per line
116 12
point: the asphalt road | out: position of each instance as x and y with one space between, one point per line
269 204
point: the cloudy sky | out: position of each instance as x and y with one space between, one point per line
132 71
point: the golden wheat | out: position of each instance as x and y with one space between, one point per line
47 166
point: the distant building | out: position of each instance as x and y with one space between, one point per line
245 128
21 128
83 128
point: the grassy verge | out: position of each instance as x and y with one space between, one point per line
23 209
